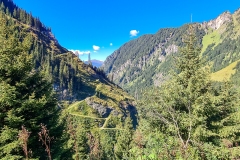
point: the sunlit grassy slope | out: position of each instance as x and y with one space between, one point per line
103 93
225 73
214 37
211 38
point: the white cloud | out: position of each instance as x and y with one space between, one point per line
96 48
111 44
134 33
78 52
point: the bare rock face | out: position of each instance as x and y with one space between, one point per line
104 111
171 49
219 21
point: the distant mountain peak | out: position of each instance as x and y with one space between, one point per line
237 11
95 62
219 21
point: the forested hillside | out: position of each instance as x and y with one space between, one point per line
147 60
72 79
190 116
53 106
186 81
48 92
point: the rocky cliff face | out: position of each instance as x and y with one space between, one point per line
215 24
146 61
105 111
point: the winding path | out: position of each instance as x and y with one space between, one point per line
103 126
84 116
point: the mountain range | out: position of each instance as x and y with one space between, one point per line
147 60
95 63
55 106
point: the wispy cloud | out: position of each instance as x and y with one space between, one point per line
111 44
78 52
96 48
134 33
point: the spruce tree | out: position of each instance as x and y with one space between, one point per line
2 7
189 109
124 138
26 95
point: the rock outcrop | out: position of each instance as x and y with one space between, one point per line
219 21
105 111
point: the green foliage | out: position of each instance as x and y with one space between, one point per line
146 61
27 97
124 138
223 54
187 117
107 140
10 9
31 58
142 63
78 141
190 110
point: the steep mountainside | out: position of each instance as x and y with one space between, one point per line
72 79
147 60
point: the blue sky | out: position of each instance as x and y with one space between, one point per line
102 26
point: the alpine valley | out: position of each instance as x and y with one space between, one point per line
170 95
85 96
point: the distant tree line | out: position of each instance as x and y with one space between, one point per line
10 9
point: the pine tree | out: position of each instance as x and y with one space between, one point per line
124 138
78 137
26 96
8 12
14 13
187 108
107 139
2 7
